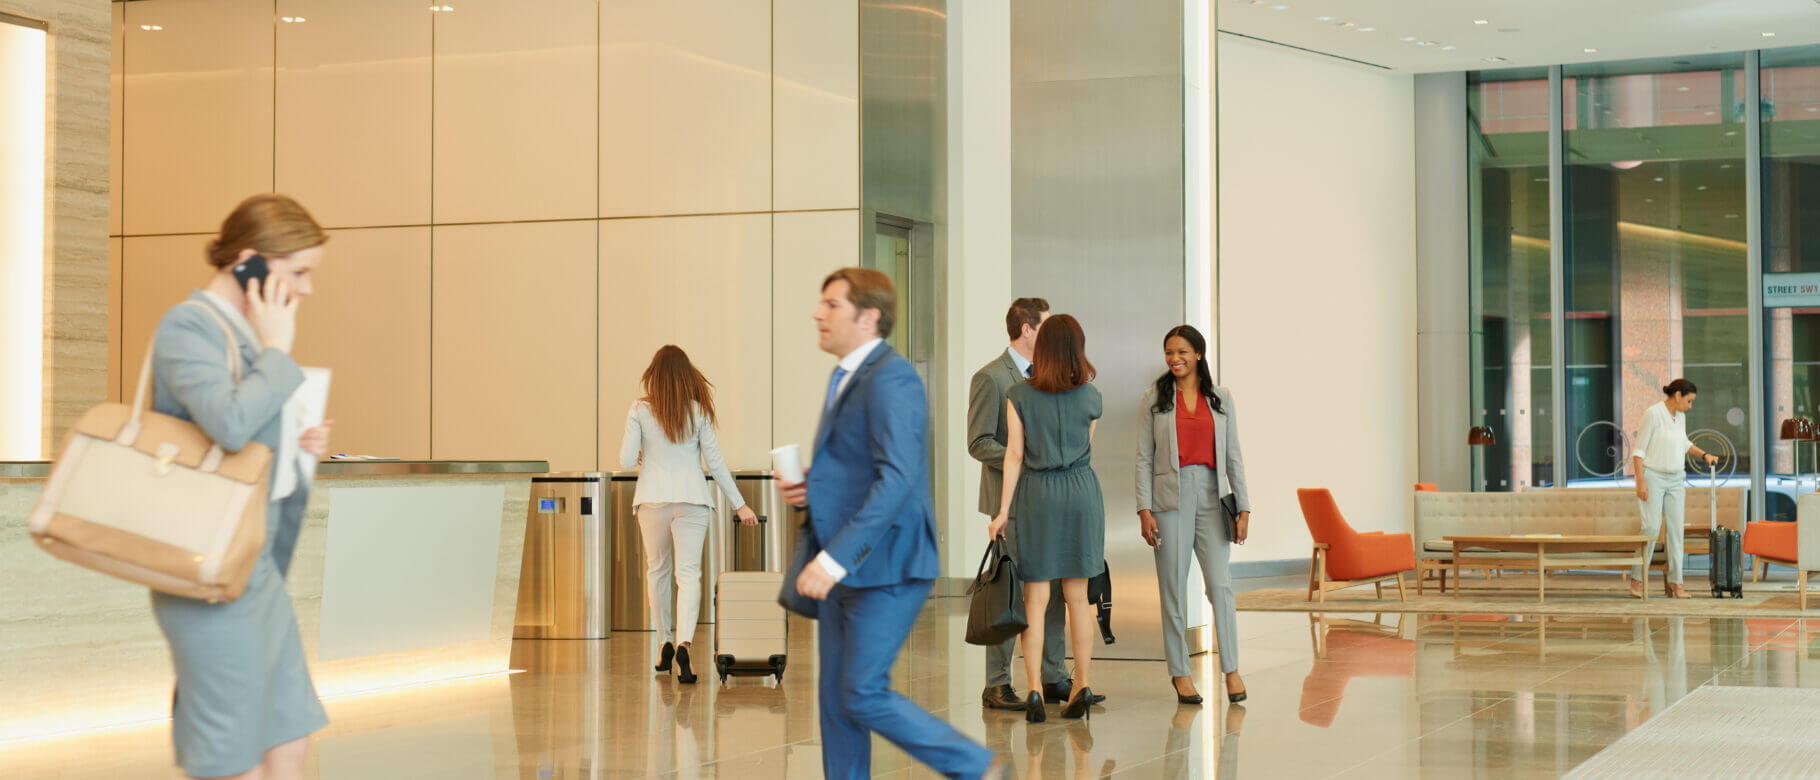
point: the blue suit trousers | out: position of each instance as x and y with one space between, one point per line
862 631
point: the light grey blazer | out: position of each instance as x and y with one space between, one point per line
987 429
1159 461
672 471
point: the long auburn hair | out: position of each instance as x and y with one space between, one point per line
1060 360
1165 384
674 388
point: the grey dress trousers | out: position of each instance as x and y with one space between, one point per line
242 687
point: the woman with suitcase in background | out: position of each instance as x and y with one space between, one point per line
669 437
1659 462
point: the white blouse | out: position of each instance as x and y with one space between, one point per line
1662 443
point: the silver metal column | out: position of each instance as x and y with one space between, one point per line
1557 279
1097 227
1753 264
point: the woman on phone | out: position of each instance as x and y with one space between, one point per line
1188 462
669 436
1053 495
244 705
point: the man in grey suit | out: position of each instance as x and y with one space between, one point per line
986 433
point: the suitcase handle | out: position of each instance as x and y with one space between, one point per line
761 519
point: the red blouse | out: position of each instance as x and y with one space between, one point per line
1194 432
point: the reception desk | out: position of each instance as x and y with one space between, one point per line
406 572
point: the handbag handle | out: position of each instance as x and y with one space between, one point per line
130 433
993 553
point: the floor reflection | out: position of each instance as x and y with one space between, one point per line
1353 695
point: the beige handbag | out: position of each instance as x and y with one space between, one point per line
150 499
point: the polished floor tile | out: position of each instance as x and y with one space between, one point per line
1353 695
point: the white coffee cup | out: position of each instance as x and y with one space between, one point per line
788 462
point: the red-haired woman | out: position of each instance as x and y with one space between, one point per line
1053 495
669 437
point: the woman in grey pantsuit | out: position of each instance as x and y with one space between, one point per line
1188 458
244 706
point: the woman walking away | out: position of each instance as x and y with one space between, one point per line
245 706
669 437
1660 464
1188 461
1054 497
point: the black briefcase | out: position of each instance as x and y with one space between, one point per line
997 610
806 550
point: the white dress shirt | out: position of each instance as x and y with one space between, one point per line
1662 443
1023 366
850 364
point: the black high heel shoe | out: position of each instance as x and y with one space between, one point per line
1180 698
684 674
1081 706
663 659
1033 708
1235 698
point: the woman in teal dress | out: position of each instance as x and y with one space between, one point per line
244 706
1054 497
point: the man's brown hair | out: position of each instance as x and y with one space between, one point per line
1060 363
1024 311
869 289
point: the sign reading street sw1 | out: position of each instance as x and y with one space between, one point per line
1781 291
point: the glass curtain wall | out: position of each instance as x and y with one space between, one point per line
1656 279
1790 86
1512 363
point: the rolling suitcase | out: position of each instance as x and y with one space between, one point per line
1726 547
751 634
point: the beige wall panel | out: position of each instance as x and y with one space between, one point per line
156 273
353 108
808 247
685 107
816 110
701 283
199 102
514 343
369 322
115 256
116 133
515 125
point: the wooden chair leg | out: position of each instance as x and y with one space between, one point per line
1801 579
1314 565
1379 587
1320 594
1759 571
1402 595
1421 577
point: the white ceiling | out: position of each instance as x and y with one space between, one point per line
1522 32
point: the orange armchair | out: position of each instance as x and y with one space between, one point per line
1343 557
1794 544
1427 487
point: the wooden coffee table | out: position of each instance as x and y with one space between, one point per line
1532 551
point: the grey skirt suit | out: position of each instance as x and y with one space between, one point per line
1192 522
242 687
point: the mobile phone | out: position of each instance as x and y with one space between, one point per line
254 268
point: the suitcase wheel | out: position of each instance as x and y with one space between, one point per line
777 667
721 664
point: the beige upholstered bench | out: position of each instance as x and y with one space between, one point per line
1574 511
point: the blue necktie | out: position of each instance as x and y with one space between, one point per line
1027 370
834 388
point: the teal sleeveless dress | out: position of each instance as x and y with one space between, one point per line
1058 509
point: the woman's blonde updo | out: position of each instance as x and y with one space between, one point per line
271 224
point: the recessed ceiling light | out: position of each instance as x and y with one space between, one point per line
1368 29
1701 188
1407 38
1649 200
1449 48
151 27
1494 59
1323 18
1731 132
1658 178
1680 89
1590 51
1731 216
1727 165
1279 8
1347 25
1425 43
292 19
1481 21
1769 35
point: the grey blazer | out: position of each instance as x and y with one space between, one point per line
191 380
987 429
1159 462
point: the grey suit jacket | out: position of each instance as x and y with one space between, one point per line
1159 461
191 380
987 429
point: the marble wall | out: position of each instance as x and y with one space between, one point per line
76 250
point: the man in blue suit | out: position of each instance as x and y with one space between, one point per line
874 523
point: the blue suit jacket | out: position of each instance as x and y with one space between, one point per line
869 498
